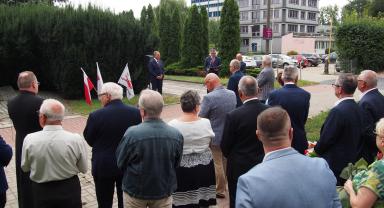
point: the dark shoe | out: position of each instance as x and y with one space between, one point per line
220 196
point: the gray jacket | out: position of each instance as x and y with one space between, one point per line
215 107
265 80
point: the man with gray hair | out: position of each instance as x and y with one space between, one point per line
342 134
54 157
372 102
103 132
295 101
233 82
22 111
266 79
148 155
240 145
293 180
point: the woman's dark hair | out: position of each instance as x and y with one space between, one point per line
189 100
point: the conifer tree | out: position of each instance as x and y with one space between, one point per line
204 32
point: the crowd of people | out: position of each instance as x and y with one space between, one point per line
246 142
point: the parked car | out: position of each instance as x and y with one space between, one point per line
333 57
249 61
281 60
301 60
259 60
313 59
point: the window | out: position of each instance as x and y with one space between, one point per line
275 1
303 2
256 15
243 3
265 2
255 2
294 2
302 28
292 28
276 13
310 29
312 16
276 28
302 15
243 16
293 14
243 29
312 3
245 42
264 14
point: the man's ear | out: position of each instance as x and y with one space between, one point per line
258 134
290 134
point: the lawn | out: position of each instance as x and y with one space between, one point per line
314 124
81 107
224 81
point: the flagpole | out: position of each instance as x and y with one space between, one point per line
81 68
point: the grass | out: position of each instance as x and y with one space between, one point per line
81 107
314 124
224 81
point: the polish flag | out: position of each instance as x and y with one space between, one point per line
125 80
88 86
99 79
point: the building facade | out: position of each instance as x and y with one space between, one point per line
287 16
213 7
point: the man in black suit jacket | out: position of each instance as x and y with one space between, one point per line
22 110
212 63
240 144
156 72
103 132
372 102
5 158
296 102
342 134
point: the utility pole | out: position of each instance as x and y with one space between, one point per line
268 25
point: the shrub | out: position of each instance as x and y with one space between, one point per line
175 69
291 53
253 72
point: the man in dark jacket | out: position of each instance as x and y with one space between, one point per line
22 110
240 144
5 157
156 72
103 132
233 82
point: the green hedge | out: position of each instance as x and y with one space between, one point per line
177 69
361 39
55 42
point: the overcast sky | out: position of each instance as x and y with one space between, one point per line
137 5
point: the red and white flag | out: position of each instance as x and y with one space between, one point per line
88 86
99 79
125 80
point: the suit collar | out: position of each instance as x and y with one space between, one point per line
289 85
252 100
279 153
373 90
114 102
344 99
26 92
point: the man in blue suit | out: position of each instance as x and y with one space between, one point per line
233 82
103 132
342 134
372 102
296 102
243 65
212 63
292 179
156 72
5 157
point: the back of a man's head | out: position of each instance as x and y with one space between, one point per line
52 109
267 60
290 74
273 128
347 82
113 89
212 81
369 77
235 64
248 86
26 79
152 103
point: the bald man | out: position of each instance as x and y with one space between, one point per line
215 105
243 66
22 111
372 102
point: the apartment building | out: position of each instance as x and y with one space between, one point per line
213 7
287 16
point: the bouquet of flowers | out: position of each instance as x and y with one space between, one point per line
310 152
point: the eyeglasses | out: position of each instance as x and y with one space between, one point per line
381 136
335 85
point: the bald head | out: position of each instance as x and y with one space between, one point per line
52 109
151 103
239 57
212 81
369 78
27 81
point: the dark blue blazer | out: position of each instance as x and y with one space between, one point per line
103 132
243 67
214 65
296 102
155 69
373 105
233 83
5 157
341 136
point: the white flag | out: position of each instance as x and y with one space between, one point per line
125 80
99 79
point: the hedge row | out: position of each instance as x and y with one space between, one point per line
362 40
55 42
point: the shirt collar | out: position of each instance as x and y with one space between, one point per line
52 127
342 99
364 93
289 83
255 98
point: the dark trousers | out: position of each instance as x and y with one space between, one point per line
232 186
24 187
157 85
58 194
3 199
105 188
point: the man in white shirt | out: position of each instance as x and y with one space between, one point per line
54 157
